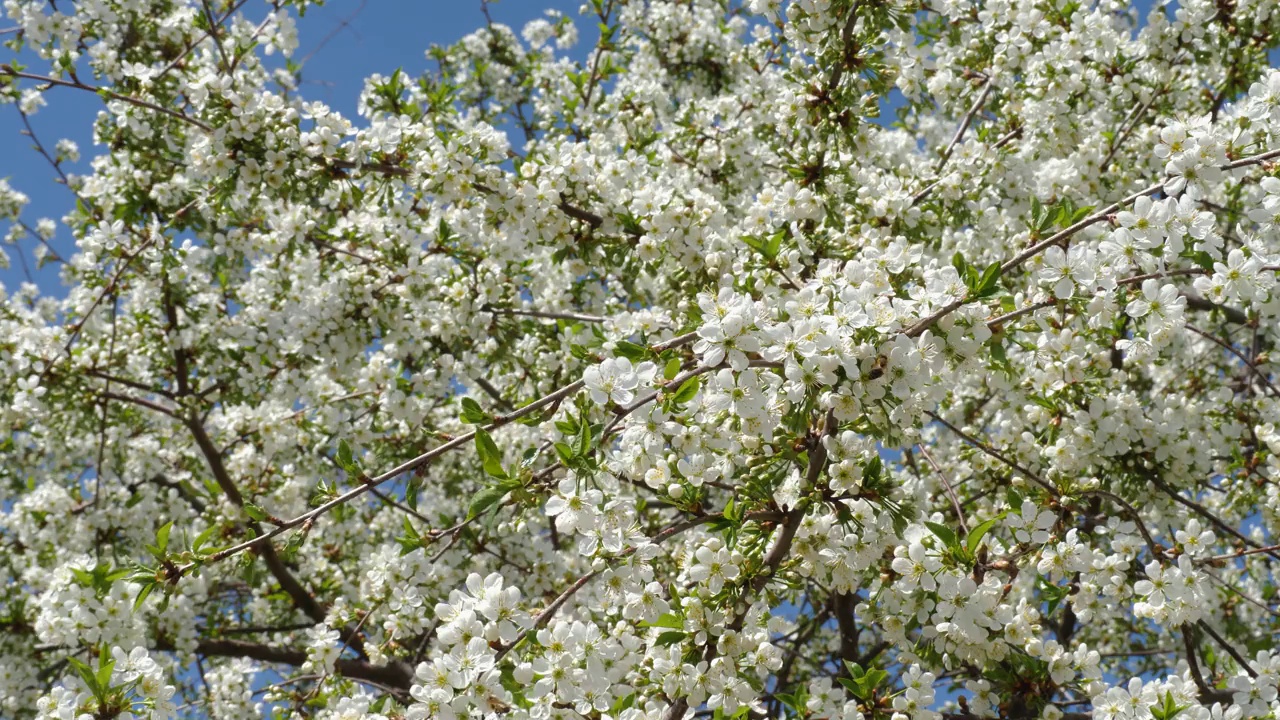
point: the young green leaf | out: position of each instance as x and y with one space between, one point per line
670 637
143 591
672 369
987 283
162 536
944 533
686 391
473 414
630 350
86 674
490 457
485 499
974 539
582 443
345 461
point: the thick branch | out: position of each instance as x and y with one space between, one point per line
397 675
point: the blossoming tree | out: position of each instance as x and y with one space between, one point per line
662 383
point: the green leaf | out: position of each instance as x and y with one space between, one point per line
989 281
687 390
1199 257
162 536
1053 594
568 427
729 509
872 679
345 460
1063 217
143 592
871 471
672 369
1168 708
774 244
754 243
565 452
109 577
1038 213
472 413
409 540
667 620
104 671
485 499
670 637
974 539
582 443
944 533
1043 402
255 512
1014 499
792 702
490 457
621 704
202 538
83 577
630 350
411 492
86 674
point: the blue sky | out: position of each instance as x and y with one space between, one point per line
345 42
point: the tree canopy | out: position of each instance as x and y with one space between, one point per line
629 366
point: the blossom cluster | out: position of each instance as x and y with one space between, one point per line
633 365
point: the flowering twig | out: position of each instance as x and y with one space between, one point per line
6 69
413 464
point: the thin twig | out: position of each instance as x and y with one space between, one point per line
946 484
6 69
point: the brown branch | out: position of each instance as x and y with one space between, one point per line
846 44
1235 315
397 675
579 317
842 606
1204 513
992 452
195 43
550 610
946 484
492 392
1207 694
1061 236
140 402
1229 348
1231 650
109 378
1239 554
955 140
1129 125
300 595
6 69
